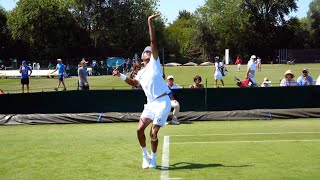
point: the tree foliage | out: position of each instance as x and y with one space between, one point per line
314 18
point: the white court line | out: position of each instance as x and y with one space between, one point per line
165 158
262 141
238 134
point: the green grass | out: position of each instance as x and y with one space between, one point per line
111 151
183 76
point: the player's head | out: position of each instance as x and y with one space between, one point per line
24 63
59 61
254 57
83 63
146 54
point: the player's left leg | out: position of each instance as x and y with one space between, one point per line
154 144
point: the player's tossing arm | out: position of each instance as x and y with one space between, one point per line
129 81
153 41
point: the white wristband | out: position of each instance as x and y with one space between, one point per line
123 77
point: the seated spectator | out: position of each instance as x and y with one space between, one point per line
136 69
197 80
318 81
266 83
174 103
171 84
305 79
288 79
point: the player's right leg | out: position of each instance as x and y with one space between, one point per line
143 124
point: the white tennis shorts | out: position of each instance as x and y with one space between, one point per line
157 110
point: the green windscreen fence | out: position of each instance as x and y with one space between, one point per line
219 99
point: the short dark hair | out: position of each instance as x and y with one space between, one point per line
197 77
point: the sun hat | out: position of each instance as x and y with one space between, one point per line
266 80
288 72
221 64
253 57
24 62
60 60
170 77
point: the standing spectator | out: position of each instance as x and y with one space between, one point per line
38 66
68 69
288 79
174 103
24 71
61 73
29 65
50 66
305 79
218 74
259 64
94 67
252 69
82 73
197 80
238 63
266 83
136 69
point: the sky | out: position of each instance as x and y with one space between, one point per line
170 8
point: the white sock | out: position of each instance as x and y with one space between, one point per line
145 151
153 155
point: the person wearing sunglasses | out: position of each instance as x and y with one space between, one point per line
305 79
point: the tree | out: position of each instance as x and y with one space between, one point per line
227 24
314 17
118 24
265 17
47 26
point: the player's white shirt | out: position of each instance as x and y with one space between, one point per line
151 80
251 65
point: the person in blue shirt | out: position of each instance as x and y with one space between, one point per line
305 79
24 71
61 68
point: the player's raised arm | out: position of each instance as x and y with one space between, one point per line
129 81
153 41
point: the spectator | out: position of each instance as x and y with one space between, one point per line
50 66
82 73
61 73
174 103
252 69
259 64
288 79
238 63
219 73
197 80
318 81
29 65
305 79
38 66
68 69
136 69
3 67
266 83
24 71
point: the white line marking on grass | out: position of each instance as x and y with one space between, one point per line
238 134
262 141
175 178
165 158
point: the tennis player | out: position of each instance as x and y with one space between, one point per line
158 105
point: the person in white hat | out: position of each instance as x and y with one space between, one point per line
219 73
251 69
288 79
318 80
158 106
174 103
266 83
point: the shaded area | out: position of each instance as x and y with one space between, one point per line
188 165
184 117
